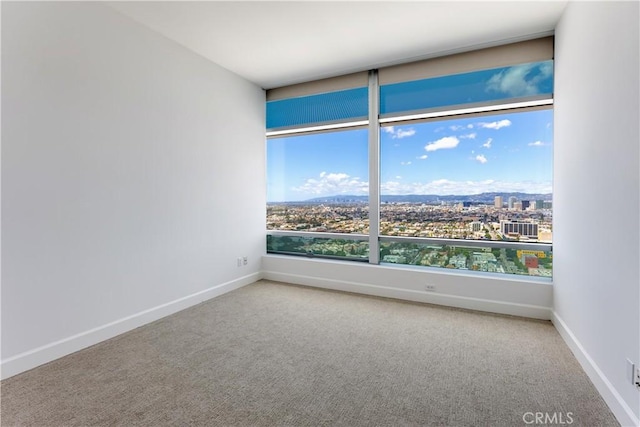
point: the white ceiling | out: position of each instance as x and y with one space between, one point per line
274 43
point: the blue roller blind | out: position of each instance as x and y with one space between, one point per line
496 84
350 104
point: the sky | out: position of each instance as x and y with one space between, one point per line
510 152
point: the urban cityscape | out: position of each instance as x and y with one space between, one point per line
488 216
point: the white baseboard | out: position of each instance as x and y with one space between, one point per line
616 403
514 309
41 355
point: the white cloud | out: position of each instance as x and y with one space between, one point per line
405 163
423 157
536 144
481 158
488 143
399 133
445 186
443 143
404 133
469 136
519 80
495 125
336 177
456 128
328 184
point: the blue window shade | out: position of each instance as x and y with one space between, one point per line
327 107
518 81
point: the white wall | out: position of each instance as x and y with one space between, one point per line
596 194
132 178
507 294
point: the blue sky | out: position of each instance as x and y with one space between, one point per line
510 152
505 152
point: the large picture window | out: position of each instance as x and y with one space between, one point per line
319 182
466 178
460 165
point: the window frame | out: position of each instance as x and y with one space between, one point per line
374 122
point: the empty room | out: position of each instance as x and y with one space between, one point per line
301 213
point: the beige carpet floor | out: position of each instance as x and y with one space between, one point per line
272 354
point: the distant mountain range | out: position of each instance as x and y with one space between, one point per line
483 198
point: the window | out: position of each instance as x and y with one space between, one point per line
319 182
482 178
472 257
460 165
338 248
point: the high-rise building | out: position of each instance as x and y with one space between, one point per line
475 226
527 229
539 204
512 200
525 204
517 206
498 202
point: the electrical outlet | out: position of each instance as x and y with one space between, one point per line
634 373
430 288
245 260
